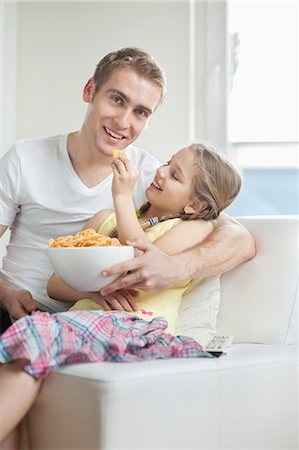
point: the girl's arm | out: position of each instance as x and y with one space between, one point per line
184 235
96 221
124 179
59 290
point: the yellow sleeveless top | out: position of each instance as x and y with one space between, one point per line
150 304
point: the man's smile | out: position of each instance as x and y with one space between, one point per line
113 134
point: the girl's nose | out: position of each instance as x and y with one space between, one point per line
162 171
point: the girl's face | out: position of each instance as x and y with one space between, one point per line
172 188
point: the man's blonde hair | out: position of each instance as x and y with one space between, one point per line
133 58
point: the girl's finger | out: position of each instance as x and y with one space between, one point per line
132 303
129 167
114 303
128 295
124 302
120 165
115 167
101 302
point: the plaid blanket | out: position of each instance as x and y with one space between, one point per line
51 340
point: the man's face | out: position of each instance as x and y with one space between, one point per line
118 113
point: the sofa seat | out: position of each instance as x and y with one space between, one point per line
233 402
238 355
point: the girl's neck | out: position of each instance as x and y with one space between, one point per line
152 212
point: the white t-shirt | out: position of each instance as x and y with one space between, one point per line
41 197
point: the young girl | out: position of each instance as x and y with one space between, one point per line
184 201
197 183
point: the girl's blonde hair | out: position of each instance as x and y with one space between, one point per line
216 184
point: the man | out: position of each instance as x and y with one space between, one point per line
51 186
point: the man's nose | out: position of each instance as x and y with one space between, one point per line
123 119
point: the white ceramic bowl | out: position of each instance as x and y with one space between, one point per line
81 267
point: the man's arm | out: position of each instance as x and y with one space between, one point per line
18 302
226 247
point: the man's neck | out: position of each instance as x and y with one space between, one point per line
90 166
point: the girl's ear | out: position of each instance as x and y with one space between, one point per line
88 91
195 207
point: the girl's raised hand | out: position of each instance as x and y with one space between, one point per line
124 177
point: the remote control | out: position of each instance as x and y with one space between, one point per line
219 344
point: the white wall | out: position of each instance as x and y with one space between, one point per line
57 46
8 39
8 86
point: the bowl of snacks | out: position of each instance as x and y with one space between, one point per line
79 259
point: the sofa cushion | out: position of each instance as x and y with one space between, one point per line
259 298
199 308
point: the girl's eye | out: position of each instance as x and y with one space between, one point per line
174 176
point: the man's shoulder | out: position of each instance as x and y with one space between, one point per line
36 149
39 142
33 154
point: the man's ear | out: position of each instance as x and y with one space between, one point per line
88 91
195 206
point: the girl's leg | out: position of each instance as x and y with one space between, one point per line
18 391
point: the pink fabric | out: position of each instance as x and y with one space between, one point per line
51 340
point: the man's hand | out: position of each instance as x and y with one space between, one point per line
18 302
229 245
121 300
151 270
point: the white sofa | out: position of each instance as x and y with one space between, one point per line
247 399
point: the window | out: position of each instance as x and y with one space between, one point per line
263 104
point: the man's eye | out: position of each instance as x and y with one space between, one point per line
141 113
116 98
